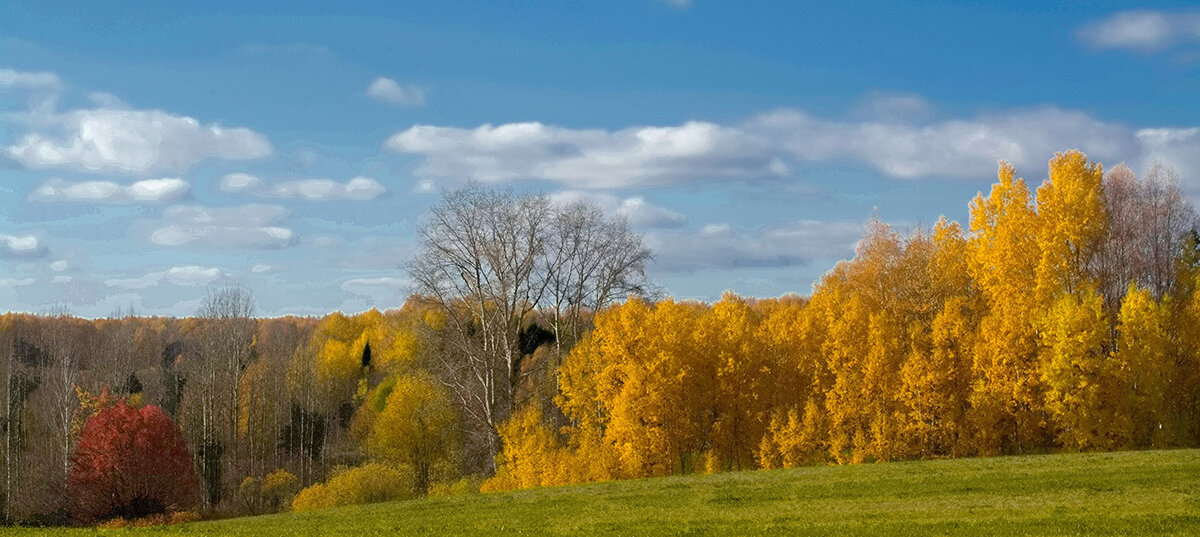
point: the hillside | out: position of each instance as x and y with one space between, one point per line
1123 493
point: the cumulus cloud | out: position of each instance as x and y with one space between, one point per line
374 287
637 210
388 91
356 189
132 142
588 158
1142 31
889 135
952 148
247 226
145 191
722 246
186 276
24 246
15 282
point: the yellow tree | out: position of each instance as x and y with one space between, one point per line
1146 368
792 335
881 385
416 430
661 397
859 302
1082 384
745 379
937 382
1071 224
936 378
640 383
1003 257
846 350
531 456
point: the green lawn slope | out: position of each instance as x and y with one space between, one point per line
1126 493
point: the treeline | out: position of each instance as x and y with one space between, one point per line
1062 321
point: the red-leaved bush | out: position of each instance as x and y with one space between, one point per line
130 462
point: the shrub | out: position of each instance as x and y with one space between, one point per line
130 463
314 497
278 488
370 483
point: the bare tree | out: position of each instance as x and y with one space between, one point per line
490 258
591 260
480 253
226 333
1147 221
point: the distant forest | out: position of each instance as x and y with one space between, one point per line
535 352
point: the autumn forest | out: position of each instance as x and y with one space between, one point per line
535 351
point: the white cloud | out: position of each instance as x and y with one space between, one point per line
21 246
145 191
637 210
186 276
1142 31
388 91
247 226
133 142
589 158
356 189
41 88
107 100
375 287
1179 148
14 282
889 136
951 148
257 269
722 246
681 4
60 265
425 186
10 79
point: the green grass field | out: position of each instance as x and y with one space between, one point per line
1126 493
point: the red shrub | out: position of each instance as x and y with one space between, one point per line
130 462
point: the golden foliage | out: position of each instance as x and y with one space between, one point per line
369 483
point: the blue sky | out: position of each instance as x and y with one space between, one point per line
149 151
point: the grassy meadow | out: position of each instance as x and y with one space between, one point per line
1121 493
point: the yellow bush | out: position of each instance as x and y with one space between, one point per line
278 487
314 497
369 483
